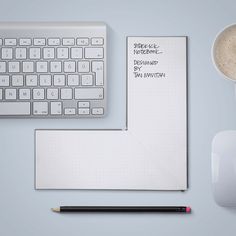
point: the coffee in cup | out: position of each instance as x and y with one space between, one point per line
224 52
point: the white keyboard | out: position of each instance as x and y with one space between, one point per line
52 70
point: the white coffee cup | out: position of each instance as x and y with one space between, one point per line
224 52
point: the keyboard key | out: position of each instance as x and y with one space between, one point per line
39 42
82 41
97 41
28 66
69 66
68 41
48 53
73 80
45 80
98 69
87 80
1 42
41 66
52 94
40 108
2 66
17 80
63 53
83 104
20 53
89 93
10 42
83 66
10 94
31 80
4 80
66 94
76 53
14 67
83 111
59 80
54 42
97 111
34 53
25 42
14 108
38 94
56 108
69 111
24 94
7 53
1 95
93 53
55 66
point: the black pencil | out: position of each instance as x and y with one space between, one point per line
123 209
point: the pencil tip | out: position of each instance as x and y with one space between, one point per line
55 209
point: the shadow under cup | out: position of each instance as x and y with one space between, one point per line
224 52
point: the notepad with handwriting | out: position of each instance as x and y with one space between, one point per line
151 154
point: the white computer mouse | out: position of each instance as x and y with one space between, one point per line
223 159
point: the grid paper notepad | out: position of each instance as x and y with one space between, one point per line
152 153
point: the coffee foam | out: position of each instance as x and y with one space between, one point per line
225 52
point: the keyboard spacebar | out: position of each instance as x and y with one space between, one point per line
14 108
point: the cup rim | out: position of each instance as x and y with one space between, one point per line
213 51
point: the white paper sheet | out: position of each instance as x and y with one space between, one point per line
152 153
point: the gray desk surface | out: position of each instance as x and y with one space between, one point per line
212 107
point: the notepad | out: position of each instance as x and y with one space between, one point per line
151 153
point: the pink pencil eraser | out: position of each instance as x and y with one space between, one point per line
188 209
